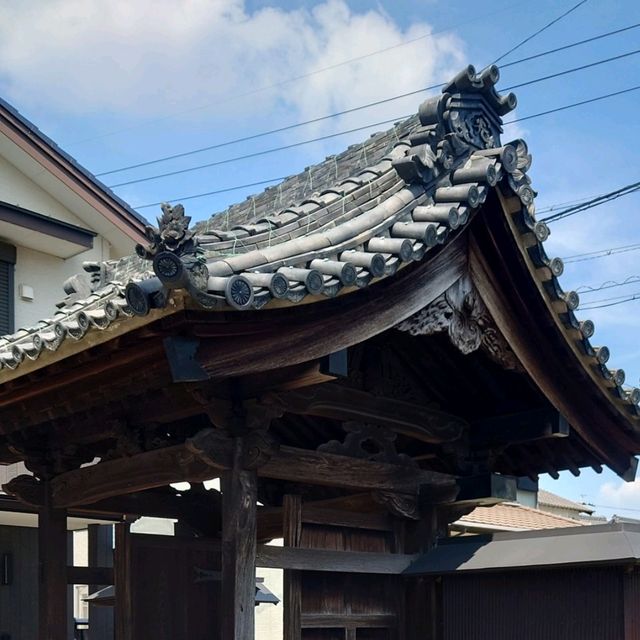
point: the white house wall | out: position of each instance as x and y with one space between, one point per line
19 190
45 274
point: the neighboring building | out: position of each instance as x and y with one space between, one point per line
533 509
509 516
560 506
54 216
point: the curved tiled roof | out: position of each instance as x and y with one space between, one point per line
339 226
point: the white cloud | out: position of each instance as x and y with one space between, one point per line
621 494
151 58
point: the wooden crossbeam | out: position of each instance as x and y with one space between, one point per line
335 561
341 403
209 454
90 575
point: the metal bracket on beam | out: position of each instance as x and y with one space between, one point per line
181 354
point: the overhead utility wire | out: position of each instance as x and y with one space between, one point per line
255 154
575 104
602 253
340 133
310 73
594 202
610 302
539 31
536 115
609 284
351 110
580 68
570 46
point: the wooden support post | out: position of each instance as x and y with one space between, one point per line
123 610
52 550
100 547
292 530
239 497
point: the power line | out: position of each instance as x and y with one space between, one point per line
575 104
333 135
581 68
570 106
350 110
539 31
570 46
610 302
598 200
609 284
603 253
254 154
303 76
604 506
212 193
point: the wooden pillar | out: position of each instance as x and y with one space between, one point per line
292 530
100 547
52 560
239 495
123 613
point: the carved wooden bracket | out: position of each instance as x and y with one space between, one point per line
461 312
209 444
368 442
398 504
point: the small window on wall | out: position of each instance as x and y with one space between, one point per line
7 267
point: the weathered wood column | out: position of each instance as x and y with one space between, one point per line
100 547
52 559
239 495
292 530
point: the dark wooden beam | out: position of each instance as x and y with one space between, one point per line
199 508
52 560
352 621
239 497
147 470
342 403
333 561
208 454
90 575
314 467
518 428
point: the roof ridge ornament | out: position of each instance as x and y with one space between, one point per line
177 258
465 119
175 250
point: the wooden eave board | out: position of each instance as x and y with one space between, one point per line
510 286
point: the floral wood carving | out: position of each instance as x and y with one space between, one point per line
368 442
461 313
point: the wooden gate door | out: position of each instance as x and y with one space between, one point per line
340 606
166 587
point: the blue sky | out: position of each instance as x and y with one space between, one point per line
120 83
